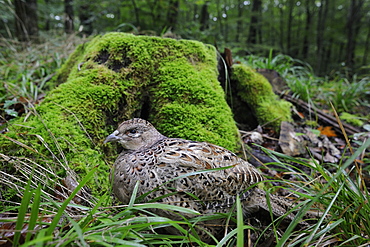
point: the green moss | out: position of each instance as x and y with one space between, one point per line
199 107
352 119
116 77
311 123
256 91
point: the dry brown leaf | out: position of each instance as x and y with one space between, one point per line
327 130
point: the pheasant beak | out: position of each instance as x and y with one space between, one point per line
112 137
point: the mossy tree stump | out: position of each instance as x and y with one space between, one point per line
254 101
116 77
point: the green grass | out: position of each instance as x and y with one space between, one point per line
341 195
337 189
25 69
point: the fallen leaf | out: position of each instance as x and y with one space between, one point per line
327 130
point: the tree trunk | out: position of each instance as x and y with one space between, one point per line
367 44
195 14
305 48
86 18
271 35
239 21
47 21
326 54
219 18
26 25
281 35
68 11
353 28
204 17
173 13
289 27
136 11
321 26
255 32
226 25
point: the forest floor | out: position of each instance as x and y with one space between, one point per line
308 145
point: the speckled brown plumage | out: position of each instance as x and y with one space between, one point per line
156 161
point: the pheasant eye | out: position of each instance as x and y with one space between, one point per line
132 131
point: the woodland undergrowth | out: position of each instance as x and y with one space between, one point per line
62 215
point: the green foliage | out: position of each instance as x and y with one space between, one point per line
298 75
340 195
343 198
25 72
285 65
346 95
76 225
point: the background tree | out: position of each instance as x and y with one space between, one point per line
239 21
86 16
172 14
366 44
255 32
353 27
290 47
69 16
136 11
204 16
307 29
320 37
26 24
330 35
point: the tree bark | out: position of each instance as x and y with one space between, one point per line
136 11
47 20
204 17
255 32
321 26
195 14
68 21
367 44
305 48
219 18
282 47
289 26
353 28
86 18
26 23
239 22
173 13
226 23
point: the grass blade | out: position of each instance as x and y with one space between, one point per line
61 210
39 240
34 213
240 223
22 212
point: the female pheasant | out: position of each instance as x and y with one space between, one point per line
160 164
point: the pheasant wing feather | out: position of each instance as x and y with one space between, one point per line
219 187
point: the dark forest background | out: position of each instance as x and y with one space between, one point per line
316 51
331 35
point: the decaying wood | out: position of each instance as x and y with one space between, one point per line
277 83
279 86
322 117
